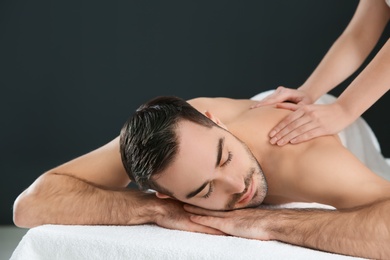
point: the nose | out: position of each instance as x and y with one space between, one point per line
234 184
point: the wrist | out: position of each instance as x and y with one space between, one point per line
312 93
135 207
308 92
349 114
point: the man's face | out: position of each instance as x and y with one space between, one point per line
213 170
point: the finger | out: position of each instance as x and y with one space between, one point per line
204 212
265 102
275 132
278 96
294 129
212 222
288 106
270 100
199 228
308 135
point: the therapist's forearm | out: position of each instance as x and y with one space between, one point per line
350 49
342 59
369 86
63 199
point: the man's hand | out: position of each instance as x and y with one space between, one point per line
172 215
246 223
362 231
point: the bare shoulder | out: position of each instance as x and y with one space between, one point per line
101 166
204 102
226 109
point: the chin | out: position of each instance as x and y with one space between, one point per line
257 200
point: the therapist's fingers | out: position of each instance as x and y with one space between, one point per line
300 134
276 97
281 126
283 94
288 106
307 135
291 131
269 101
306 123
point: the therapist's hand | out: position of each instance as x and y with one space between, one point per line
308 122
246 223
283 94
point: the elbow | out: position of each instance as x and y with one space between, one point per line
22 212
29 205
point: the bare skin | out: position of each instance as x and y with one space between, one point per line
92 188
344 57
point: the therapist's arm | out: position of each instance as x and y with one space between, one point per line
350 50
344 57
369 86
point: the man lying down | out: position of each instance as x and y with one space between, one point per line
210 171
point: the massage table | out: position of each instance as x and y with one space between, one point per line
153 242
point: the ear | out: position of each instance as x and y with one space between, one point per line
162 195
215 119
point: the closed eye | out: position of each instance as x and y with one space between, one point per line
211 185
211 189
228 160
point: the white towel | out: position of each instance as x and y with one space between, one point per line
152 242
148 242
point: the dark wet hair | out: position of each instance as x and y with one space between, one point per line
148 139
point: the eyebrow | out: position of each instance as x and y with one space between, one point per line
221 142
193 193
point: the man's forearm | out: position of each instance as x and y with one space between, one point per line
363 231
63 199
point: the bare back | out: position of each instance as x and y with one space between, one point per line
321 170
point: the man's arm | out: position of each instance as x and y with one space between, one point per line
76 192
59 198
362 231
91 190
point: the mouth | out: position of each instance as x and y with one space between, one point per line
248 195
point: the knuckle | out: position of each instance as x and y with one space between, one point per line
291 126
299 131
307 110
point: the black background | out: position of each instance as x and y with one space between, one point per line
71 72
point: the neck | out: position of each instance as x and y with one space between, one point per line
273 159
